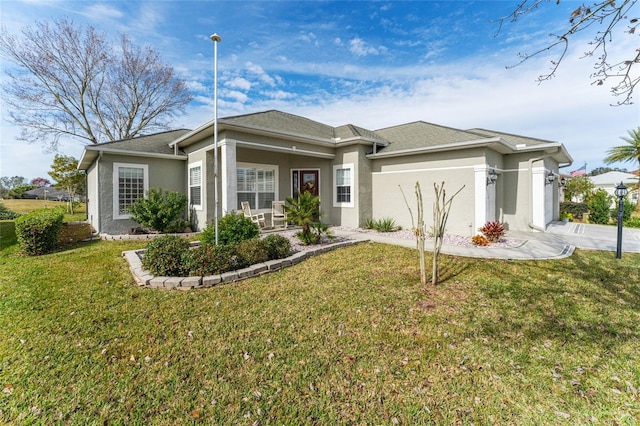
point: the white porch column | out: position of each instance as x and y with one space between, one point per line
481 211
538 196
229 179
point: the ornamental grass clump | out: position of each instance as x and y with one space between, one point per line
493 231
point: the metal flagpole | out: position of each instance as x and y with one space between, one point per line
216 39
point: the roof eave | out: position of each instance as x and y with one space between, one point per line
90 153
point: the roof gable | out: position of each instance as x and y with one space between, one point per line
282 122
420 134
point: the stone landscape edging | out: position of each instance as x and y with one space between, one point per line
146 279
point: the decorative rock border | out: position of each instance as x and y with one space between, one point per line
144 278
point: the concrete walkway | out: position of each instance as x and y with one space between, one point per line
558 241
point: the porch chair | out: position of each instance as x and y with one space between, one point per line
257 218
278 214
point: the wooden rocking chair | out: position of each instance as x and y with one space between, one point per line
278 214
257 218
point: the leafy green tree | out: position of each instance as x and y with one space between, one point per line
64 171
627 153
19 190
578 188
8 183
160 210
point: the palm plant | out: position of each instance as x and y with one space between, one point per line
627 153
304 212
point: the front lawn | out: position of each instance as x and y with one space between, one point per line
348 337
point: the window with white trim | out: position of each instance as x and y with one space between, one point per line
195 185
257 185
130 182
343 185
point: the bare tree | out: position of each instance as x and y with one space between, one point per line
71 81
602 17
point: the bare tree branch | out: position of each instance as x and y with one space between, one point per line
71 82
605 13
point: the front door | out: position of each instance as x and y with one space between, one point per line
305 181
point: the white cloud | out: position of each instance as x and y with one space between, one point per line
101 10
358 47
260 72
239 83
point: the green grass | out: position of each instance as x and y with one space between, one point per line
25 206
348 337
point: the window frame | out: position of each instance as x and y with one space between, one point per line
256 169
351 185
194 165
116 186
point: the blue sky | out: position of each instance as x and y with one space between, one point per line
372 64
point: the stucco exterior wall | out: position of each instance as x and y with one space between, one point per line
163 173
389 176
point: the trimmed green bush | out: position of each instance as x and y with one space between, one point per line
250 252
38 231
160 210
232 228
277 246
164 256
209 259
576 209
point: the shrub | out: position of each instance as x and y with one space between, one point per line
567 216
633 222
6 214
599 206
232 228
210 259
250 252
161 211
164 256
382 225
628 207
576 209
277 246
37 232
480 240
493 231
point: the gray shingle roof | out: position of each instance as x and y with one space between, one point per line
509 137
420 134
157 143
282 122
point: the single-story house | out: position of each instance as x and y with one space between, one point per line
357 173
47 193
608 181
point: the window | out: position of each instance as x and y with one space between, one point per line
130 182
257 185
343 178
195 185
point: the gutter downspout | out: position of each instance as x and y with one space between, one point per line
97 197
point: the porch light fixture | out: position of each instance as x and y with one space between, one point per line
621 192
562 183
492 177
550 177
216 39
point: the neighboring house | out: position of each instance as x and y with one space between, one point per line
357 173
608 181
47 193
